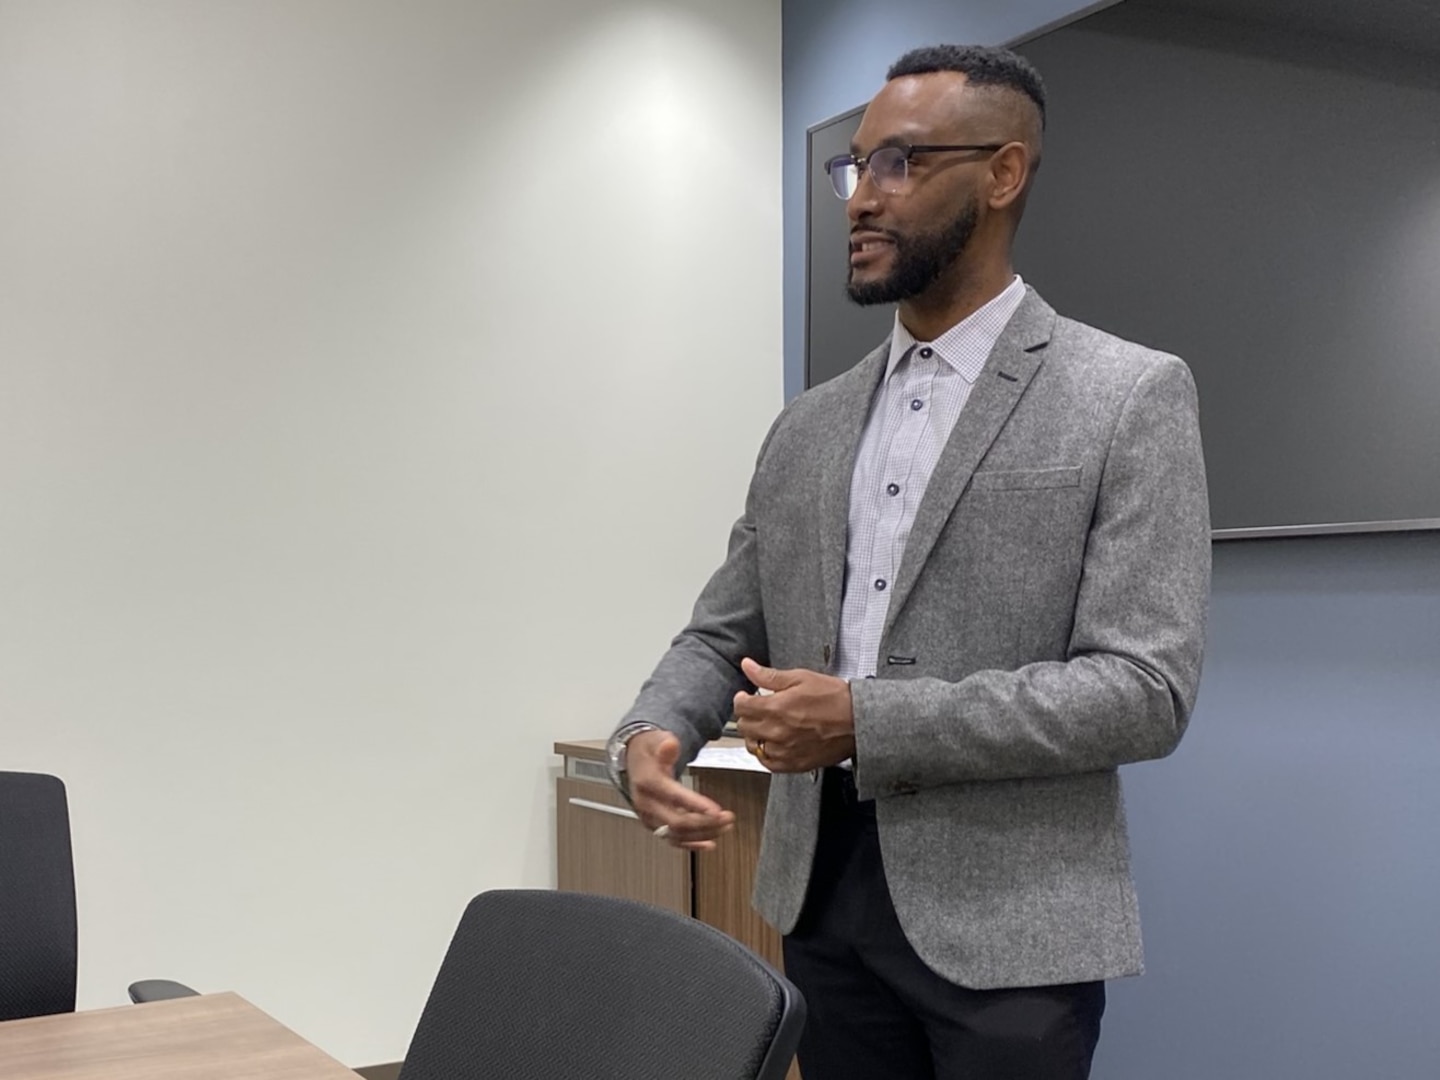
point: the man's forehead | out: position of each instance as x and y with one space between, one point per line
926 89
915 104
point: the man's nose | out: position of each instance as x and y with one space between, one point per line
865 201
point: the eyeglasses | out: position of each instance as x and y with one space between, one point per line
889 167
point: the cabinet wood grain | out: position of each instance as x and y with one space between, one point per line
601 848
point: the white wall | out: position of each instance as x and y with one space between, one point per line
377 384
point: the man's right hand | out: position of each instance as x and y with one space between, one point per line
660 799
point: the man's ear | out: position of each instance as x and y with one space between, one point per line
1010 171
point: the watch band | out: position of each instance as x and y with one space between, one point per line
615 749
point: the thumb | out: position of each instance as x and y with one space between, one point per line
767 678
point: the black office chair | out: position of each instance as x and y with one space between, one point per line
541 985
38 937
37 898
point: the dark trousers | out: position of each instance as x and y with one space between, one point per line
876 1012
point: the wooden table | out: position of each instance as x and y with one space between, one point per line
210 1037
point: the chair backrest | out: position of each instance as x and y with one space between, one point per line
541 985
37 898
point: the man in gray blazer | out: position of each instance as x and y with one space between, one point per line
969 583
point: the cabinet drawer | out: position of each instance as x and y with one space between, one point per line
602 848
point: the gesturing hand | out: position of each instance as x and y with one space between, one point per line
660 799
805 722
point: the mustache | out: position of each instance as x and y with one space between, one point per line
889 234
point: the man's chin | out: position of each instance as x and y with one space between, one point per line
871 292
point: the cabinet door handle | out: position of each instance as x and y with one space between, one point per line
618 811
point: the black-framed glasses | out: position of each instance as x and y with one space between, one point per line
889 166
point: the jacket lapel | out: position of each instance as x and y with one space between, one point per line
839 463
1007 372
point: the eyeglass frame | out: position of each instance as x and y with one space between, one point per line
862 164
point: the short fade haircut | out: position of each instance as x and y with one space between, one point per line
982 65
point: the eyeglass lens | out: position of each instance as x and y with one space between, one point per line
887 168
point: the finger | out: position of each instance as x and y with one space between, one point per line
708 844
754 730
698 845
747 706
764 752
683 831
695 830
670 797
685 824
768 679
758 731
699 826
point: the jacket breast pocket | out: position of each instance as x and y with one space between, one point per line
1024 517
1026 479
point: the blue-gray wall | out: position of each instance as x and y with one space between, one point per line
1288 855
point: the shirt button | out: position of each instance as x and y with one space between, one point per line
880 584
892 489
926 353
917 404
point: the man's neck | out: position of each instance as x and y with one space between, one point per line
947 304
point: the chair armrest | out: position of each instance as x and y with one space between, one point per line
159 990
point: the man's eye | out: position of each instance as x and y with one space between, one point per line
888 164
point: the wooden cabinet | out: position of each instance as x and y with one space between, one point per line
723 879
600 848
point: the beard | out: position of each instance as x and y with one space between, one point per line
919 261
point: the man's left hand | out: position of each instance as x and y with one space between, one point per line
805 722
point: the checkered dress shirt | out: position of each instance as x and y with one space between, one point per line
926 385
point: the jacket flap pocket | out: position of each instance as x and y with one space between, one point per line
1026 479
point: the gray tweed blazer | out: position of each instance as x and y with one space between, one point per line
1052 597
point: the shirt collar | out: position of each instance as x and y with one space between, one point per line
966 345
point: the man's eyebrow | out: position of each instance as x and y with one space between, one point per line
899 141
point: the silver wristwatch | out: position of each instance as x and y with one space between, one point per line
615 754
